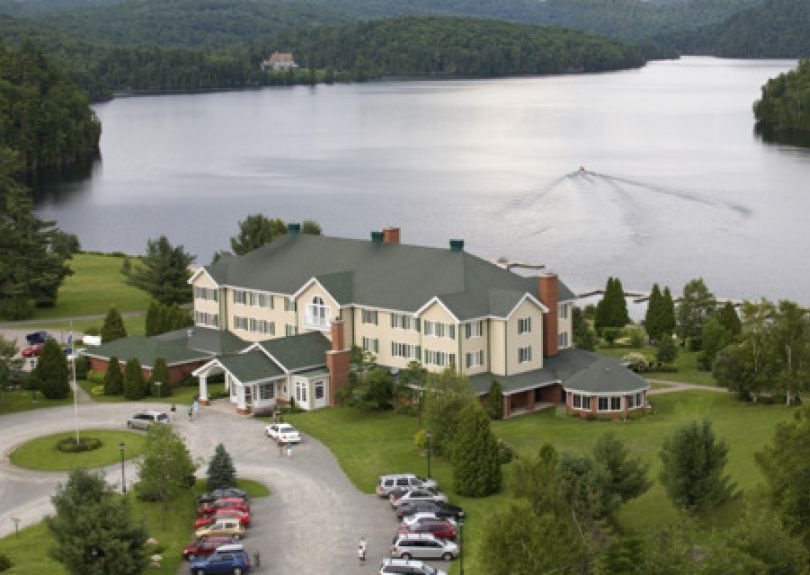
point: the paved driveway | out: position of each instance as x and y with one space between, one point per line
311 524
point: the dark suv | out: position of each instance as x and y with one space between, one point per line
226 559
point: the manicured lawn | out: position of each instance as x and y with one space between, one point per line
96 285
40 454
14 400
60 330
28 551
368 445
686 362
180 395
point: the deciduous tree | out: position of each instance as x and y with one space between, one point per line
221 472
667 351
113 327
697 305
693 468
476 465
311 227
51 373
94 529
9 361
714 338
255 231
163 272
164 318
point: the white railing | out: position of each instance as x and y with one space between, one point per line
317 321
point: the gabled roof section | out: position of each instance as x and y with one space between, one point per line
147 350
250 366
206 340
297 352
387 276
201 270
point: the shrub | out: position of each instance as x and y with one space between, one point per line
92 330
494 401
420 440
638 337
638 362
667 351
97 390
51 372
96 377
191 381
134 385
219 394
113 381
69 445
667 368
506 452
82 366
5 562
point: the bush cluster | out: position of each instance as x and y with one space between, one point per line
69 445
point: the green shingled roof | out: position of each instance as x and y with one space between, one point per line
250 366
392 276
180 346
297 352
578 370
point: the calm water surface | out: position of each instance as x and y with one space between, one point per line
676 183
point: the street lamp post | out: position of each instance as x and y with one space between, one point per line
158 384
121 447
427 438
461 544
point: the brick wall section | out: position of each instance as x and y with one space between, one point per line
549 289
391 235
552 394
176 372
338 361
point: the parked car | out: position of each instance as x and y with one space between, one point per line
226 559
34 350
212 496
223 503
415 495
421 545
387 483
144 419
38 337
283 432
204 546
438 528
224 513
222 528
408 567
424 517
441 510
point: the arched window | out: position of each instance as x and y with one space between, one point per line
318 314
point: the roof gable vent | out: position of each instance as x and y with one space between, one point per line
376 237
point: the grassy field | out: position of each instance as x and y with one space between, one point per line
14 400
96 285
371 444
686 362
61 329
180 395
40 454
28 551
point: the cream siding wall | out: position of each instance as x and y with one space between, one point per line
347 315
204 305
276 314
437 313
386 334
534 338
474 345
497 346
566 325
305 299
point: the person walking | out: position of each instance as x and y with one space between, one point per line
289 449
190 412
361 550
196 408
174 412
280 447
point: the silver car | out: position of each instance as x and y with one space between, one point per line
423 546
387 483
144 419
408 567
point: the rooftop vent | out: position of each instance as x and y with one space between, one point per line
293 228
456 245
376 237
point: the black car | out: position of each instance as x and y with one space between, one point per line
38 337
442 510
212 496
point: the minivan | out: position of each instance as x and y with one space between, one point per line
423 546
408 567
387 483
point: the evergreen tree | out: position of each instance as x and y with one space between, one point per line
495 400
29 270
94 530
584 337
733 369
693 464
163 272
164 318
611 311
623 556
9 362
653 319
51 373
668 313
476 466
134 385
446 395
160 373
667 350
255 231
113 327
695 308
624 475
221 472
729 319
113 380
153 319
714 338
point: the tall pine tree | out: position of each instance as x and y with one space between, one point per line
476 466
113 380
668 313
221 472
653 319
729 319
134 384
163 272
611 311
51 373
113 327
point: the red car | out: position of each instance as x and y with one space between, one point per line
225 502
204 546
33 351
440 529
229 512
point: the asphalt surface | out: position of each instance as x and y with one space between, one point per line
311 523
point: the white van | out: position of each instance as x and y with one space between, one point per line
387 483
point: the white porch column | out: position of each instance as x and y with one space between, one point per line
204 390
241 406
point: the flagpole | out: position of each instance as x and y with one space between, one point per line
75 385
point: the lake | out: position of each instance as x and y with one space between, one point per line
675 183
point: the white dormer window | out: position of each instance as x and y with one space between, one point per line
318 315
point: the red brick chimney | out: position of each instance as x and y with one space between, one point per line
390 235
548 295
338 360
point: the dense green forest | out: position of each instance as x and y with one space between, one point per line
453 47
785 103
776 29
43 117
219 23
